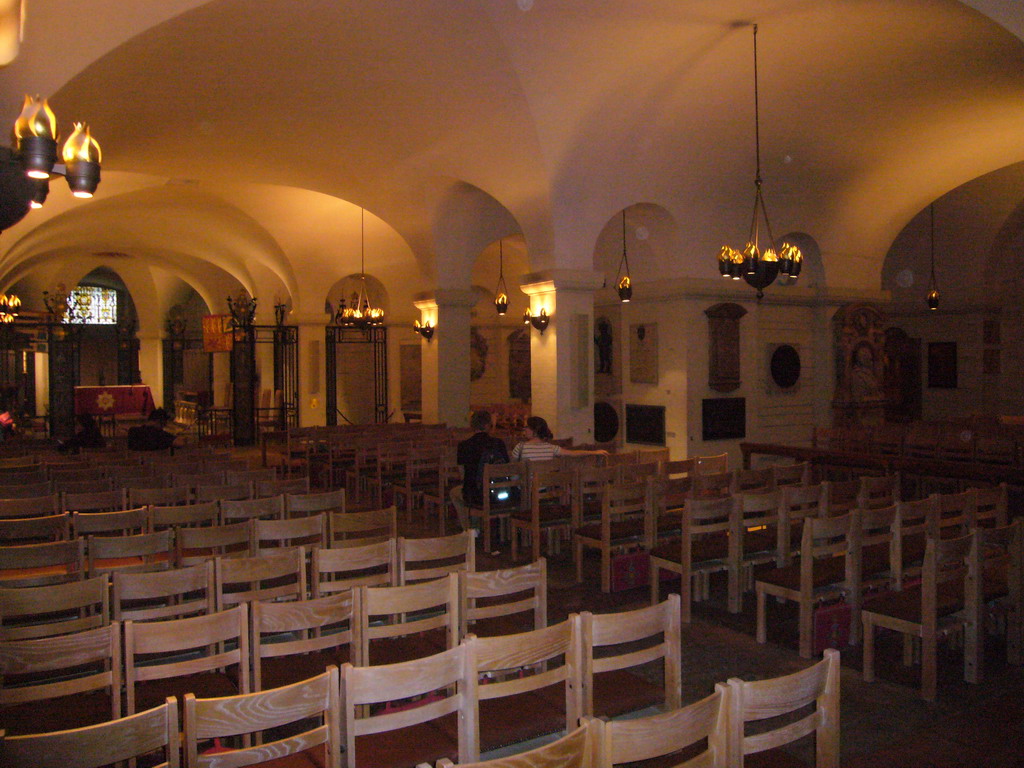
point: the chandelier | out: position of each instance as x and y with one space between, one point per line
932 300
624 287
35 137
361 314
10 308
759 267
67 307
501 291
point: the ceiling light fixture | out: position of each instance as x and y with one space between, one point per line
759 268
932 299
625 287
10 308
35 138
501 291
361 314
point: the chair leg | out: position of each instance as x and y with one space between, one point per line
929 667
606 570
869 649
908 650
974 644
762 630
577 555
655 576
735 596
806 622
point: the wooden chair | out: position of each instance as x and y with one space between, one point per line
27 491
711 485
342 568
752 481
432 558
574 750
82 487
347 529
78 673
990 507
236 476
171 594
613 643
56 609
191 480
655 736
505 491
952 512
759 700
702 550
711 465
784 475
223 492
666 503
944 602
198 544
296 640
267 508
588 491
317 699
622 526
34 530
797 504
410 611
840 496
175 495
273 575
878 491
291 532
488 600
281 487
141 552
823 573
523 686
30 506
423 474
93 746
303 504
30 565
998 563
124 523
157 654
405 733
549 511
96 501
184 515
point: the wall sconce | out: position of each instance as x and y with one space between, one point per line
280 312
540 322
426 330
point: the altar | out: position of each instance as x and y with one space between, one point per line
114 400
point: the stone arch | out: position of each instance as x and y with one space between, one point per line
651 243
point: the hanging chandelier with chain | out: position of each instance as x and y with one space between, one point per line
361 314
501 290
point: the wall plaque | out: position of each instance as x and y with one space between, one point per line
724 346
643 353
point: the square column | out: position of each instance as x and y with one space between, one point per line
561 358
445 357
312 366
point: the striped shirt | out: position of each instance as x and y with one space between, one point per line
531 451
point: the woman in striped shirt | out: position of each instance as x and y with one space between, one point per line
536 446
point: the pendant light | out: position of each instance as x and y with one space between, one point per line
759 268
624 287
362 314
932 299
501 291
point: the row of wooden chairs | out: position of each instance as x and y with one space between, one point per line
924 440
715 727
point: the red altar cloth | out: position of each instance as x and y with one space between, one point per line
102 401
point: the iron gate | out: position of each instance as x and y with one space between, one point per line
377 336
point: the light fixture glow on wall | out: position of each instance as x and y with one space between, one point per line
624 286
362 314
759 268
35 140
539 321
932 300
501 290
426 329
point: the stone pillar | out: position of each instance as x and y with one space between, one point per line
562 371
151 365
312 364
63 354
445 357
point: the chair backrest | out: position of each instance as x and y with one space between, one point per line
193 479
655 736
55 609
711 465
98 745
840 496
536 652
752 480
432 558
125 522
139 552
506 487
952 511
791 474
184 515
875 528
29 565
224 491
235 476
26 491
989 508
757 508
590 485
30 530
170 594
300 504
878 491
297 485
273 575
174 495
308 531
357 528
267 508
343 568
287 629
74 663
711 484
31 506
764 699
317 698
413 608
97 501
441 677
616 641
157 650
485 595
198 544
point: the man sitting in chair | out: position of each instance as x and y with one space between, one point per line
473 454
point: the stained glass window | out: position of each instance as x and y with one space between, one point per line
98 306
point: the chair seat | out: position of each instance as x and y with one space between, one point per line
56 714
620 530
906 605
759 542
825 571
706 549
